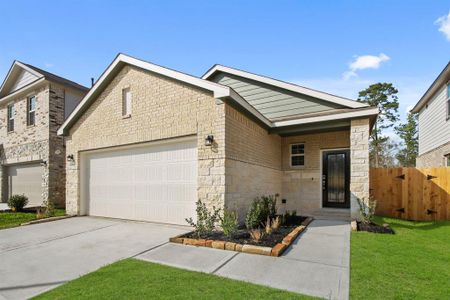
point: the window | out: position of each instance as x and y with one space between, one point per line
126 102
448 101
297 155
11 113
447 160
31 111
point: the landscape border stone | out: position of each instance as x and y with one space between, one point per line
275 251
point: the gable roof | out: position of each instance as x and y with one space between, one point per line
219 91
284 85
443 78
30 75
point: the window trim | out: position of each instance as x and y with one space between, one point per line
126 111
10 117
447 160
298 154
29 111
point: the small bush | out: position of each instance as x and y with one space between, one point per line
256 234
261 209
49 209
206 220
367 209
229 223
276 223
17 202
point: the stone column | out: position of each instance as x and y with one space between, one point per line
359 163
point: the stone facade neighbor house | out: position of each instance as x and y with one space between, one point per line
434 123
33 105
146 142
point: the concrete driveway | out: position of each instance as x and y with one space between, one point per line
40 257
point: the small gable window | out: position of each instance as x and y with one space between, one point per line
126 102
11 113
31 111
297 155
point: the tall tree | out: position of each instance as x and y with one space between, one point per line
410 139
384 96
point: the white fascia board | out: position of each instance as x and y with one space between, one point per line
219 91
286 85
17 64
347 115
21 90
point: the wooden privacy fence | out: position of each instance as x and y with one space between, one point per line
418 194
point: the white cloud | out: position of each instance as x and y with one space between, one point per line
49 65
365 62
444 25
408 109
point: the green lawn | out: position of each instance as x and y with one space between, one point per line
14 219
135 279
412 264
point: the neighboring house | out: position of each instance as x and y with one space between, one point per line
434 123
33 105
146 142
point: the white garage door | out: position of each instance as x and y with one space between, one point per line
26 179
154 183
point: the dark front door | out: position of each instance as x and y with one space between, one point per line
336 178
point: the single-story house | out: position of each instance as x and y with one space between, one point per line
433 111
146 142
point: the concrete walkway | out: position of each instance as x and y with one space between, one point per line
316 264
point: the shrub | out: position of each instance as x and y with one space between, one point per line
17 202
366 209
256 234
229 223
49 209
206 220
260 210
276 223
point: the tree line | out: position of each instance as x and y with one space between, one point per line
384 151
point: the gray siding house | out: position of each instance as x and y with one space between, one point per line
434 123
33 105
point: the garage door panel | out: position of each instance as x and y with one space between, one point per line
26 179
153 183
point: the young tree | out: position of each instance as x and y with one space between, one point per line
387 154
409 134
384 96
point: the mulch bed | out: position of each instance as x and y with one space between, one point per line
372 227
243 237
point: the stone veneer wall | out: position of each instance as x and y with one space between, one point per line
359 168
253 161
302 185
434 158
162 108
25 143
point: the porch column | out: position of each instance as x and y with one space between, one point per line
359 164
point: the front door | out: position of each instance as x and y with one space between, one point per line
336 178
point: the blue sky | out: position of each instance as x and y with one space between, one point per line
335 46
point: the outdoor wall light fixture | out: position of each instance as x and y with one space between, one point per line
70 157
209 140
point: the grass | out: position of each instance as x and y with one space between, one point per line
412 264
14 219
135 279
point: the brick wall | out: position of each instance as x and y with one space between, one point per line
162 108
302 185
253 161
434 158
25 143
